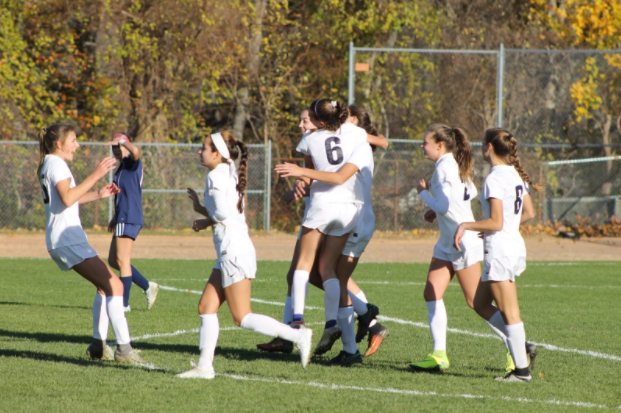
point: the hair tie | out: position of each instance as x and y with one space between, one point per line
317 103
333 103
44 130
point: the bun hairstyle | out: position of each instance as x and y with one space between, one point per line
457 142
505 144
331 112
48 137
237 149
364 120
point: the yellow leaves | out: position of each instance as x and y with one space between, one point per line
584 93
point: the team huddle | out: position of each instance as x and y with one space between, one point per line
336 182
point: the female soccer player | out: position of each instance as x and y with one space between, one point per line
127 220
448 194
506 204
358 239
66 240
236 264
332 216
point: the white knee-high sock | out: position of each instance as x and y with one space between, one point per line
497 324
345 320
116 313
288 315
207 339
359 302
267 326
100 318
516 337
298 290
438 322
331 297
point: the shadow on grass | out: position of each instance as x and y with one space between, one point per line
47 337
56 358
45 305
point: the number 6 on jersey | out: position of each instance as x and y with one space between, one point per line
334 153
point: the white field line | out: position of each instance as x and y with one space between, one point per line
415 392
425 325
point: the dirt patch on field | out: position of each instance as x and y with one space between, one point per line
280 247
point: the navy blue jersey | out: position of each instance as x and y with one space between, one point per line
128 202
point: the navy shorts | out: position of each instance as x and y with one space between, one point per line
127 230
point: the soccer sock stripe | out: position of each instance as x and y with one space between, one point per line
100 318
207 339
438 322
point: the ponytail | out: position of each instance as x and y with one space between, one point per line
332 113
456 142
242 174
47 138
463 155
505 144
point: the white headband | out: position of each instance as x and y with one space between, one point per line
220 145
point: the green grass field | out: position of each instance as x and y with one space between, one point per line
46 324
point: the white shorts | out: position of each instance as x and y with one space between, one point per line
237 268
460 259
503 268
334 219
67 257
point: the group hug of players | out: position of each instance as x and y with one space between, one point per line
336 182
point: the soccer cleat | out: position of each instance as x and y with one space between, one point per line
377 334
510 364
531 354
297 324
431 362
277 345
346 359
127 309
364 321
151 294
514 377
95 351
197 373
130 358
304 345
329 337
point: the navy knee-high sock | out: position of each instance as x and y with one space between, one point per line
139 280
127 286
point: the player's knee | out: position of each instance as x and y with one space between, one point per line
470 302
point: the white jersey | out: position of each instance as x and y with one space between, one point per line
62 223
504 183
362 157
331 150
230 233
450 199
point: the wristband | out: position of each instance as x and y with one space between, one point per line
122 141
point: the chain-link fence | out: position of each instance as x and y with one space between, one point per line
168 170
560 104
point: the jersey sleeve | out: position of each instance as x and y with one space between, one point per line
215 196
360 156
303 145
494 189
439 204
58 172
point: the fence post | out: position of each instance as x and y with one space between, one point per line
500 79
267 193
110 199
352 74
